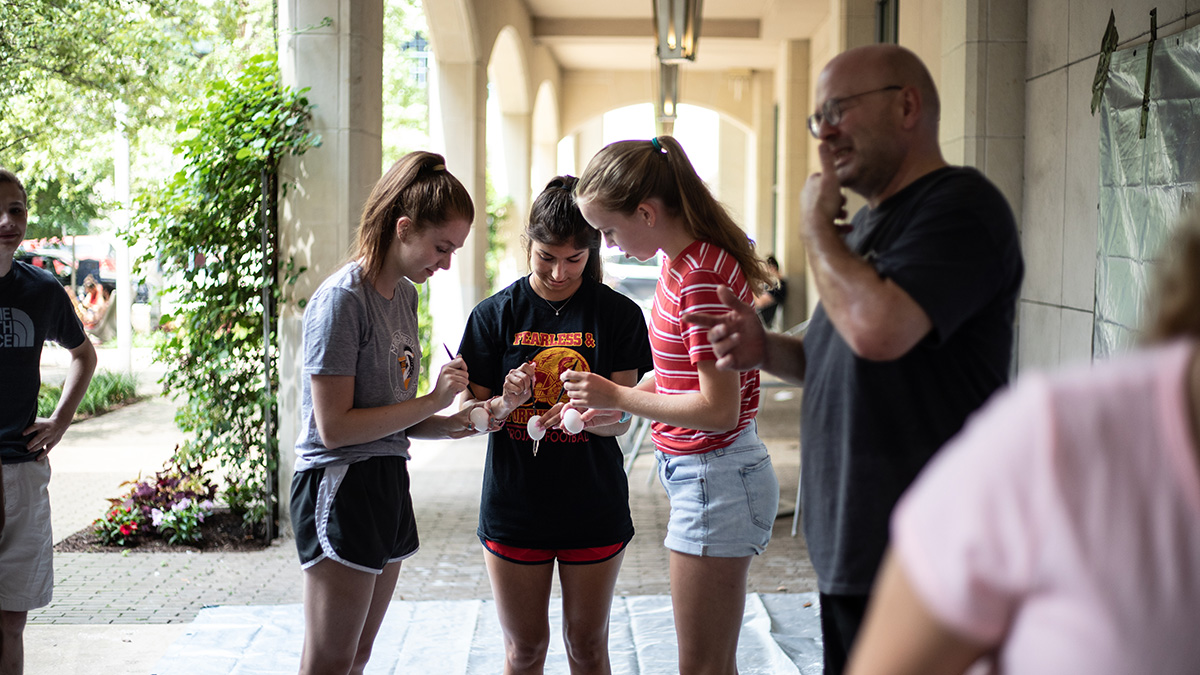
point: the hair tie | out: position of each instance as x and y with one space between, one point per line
438 167
657 146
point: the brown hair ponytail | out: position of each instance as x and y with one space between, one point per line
1174 301
418 186
627 173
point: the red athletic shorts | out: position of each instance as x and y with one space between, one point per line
565 556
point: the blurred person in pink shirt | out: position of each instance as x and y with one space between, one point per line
1060 531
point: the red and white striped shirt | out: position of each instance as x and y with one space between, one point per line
689 284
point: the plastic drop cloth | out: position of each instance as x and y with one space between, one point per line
1144 182
781 635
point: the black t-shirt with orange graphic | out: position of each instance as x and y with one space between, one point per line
574 493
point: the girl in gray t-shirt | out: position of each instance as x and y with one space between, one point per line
351 510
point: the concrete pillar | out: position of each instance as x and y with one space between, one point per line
516 129
458 116
342 64
589 139
856 22
730 181
792 85
761 180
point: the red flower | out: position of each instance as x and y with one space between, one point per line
126 529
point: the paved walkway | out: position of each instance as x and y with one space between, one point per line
146 599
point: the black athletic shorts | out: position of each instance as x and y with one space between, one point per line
359 515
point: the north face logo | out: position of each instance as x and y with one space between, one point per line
16 328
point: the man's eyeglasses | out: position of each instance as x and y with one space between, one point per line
831 112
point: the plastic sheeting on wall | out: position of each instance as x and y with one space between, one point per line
1144 182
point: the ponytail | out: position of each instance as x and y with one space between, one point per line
627 173
417 186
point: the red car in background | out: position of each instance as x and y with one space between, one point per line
87 254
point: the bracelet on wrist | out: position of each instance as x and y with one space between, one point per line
625 417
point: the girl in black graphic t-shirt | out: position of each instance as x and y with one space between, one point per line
570 501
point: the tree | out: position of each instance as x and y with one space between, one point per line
76 73
405 88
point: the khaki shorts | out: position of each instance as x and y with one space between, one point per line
26 543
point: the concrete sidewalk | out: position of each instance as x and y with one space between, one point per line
118 612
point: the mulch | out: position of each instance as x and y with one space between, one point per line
222 532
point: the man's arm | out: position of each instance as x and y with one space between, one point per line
741 343
47 432
876 317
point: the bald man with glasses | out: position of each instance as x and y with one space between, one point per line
914 330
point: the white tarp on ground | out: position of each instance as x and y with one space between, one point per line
781 635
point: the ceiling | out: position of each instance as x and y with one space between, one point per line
619 34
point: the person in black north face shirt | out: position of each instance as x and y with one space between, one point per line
34 308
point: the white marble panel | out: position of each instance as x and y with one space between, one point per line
366 20
952 151
365 79
1075 337
1047 36
1005 84
1039 337
1088 19
314 199
1005 166
953 92
1082 191
318 67
954 21
1045 169
1006 20
310 13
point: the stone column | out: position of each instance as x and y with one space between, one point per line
792 86
457 117
341 61
516 129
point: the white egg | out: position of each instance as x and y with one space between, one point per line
572 421
535 428
480 418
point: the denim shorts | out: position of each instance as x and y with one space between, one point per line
723 502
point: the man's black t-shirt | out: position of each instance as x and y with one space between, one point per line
868 427
34 308
574 493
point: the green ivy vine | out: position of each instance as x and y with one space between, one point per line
204 227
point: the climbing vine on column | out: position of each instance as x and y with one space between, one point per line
204 228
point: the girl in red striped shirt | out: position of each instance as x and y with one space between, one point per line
645 197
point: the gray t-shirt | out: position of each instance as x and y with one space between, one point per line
350 329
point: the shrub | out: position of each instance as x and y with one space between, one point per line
181 523
213 229
119 525
106 391
171 505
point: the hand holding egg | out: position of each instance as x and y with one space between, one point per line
572 421
480 417
535 428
